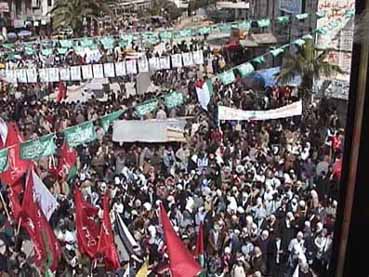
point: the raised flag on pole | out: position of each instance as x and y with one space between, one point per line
182 263
80 134
204 92
200 249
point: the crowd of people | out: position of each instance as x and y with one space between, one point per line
265 191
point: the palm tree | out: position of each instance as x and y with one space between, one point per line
309 63
71 13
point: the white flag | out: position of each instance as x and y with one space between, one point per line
204 92
43 196
3 130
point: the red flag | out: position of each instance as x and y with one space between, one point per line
182 263
106 246
14 201
17 167
200 250
67 159
62 92
87 228
34 221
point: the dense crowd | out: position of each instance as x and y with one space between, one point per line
265 191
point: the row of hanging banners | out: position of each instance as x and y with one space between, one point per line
100 71
125 39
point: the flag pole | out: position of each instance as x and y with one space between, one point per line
5 207
18 228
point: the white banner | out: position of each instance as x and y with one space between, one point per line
75 73
143 65
109 70
149 130
154 64
87 72
44 75
32 75
226 113
53 74
98 71
187 59
131 66
165 62
120 69
64 74
21 75
198 57
11 76
177 60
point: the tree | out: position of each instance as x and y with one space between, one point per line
165 8
71 13
308 62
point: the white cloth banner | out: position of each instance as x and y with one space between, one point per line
177 60
198 57
109 70
148 130
75 73
64 74
187 59
165 62
11 76
87 72
53 74
143 65
21 75
44 75
98 71
32 75
226 113
154 64
120 69
131 66
43 196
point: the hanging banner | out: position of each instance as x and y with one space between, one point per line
75 73
3 160
187 59
80 134
131 66
173 100
149 130
109 70
154 63
44 75
226 113
64 74
120 69
176 60
245 69
165 62
87 72
98 71
198 57
11 76
36 149
143 65
227 77
291 6
108 119
21 75
147 107
53 74
32 75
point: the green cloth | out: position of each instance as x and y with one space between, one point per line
259 60
244 25
167 35
299 42
276 52
283 19
42 147
245 69
262 23
62 51
106 120
66 43
147 107
80 134
302 16
3 160
46 52
173 100
227 77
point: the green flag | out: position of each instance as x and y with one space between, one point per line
245 69
167 35
106 120
320 14
66 43
283 19
259 60
225 28
173 100
183 33
244 25
3 160
227 77
299 42
107 42
80 134
147 107
38 148
204 30
302 16
276 52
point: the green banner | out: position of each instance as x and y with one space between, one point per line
173 100
283 19
147 107
244 25
227 77
183 34
66 43
245 69
80 134
276 52
302 16
38 148
263 23
204 30
3 160
166 35
299 42
259 60
106 120
225 28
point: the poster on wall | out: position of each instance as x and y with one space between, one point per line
291 6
